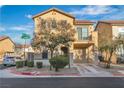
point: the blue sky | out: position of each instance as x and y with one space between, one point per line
15 20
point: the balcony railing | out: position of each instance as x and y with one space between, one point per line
89 38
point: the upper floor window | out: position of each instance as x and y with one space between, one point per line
82 33
54 24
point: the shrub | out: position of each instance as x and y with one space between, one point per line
59 62
30 64
39 64
19 64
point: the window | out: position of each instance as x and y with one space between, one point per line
45 55
79 29
63 23
82 33
54 25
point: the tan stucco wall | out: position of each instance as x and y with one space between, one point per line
78 53
6 46
95 38
55 15
104 33
107 32
59 16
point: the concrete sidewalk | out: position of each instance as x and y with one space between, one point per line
12 73
84 70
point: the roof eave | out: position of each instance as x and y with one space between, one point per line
52 9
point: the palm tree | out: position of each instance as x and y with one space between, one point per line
25 37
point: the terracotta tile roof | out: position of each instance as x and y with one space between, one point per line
3 37
113 21
53 9
22 46
79 22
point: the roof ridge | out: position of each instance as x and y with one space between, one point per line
54 8
3 37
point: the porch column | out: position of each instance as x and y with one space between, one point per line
71 59
83 55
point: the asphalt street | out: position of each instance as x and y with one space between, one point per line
63 82
4 67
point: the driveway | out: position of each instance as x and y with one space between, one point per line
92 70
4 67
4 73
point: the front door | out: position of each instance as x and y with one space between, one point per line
80 55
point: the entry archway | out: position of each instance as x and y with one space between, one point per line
65 50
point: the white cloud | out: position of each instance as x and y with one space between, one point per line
2 29
28 16
117 16
27 27
18 28
93 10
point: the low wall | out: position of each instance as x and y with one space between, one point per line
38 58
44 61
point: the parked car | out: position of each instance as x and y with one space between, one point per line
120 60
10 60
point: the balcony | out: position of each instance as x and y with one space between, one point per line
85 39
84 43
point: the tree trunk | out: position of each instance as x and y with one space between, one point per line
56 69
24 49
68 55
51 57
51 53
109 60
106 54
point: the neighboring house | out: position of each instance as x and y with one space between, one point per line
82 48
6 46
107 31
20 49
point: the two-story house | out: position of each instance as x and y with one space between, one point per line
20 49
6 46
107 31
82 48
